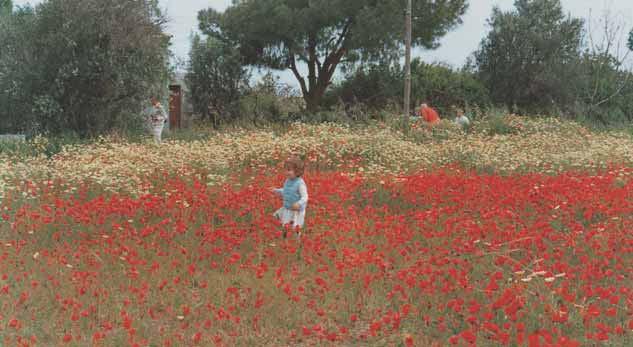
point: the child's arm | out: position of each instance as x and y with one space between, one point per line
303 191
163 114
278 191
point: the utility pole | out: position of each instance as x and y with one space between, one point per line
407 65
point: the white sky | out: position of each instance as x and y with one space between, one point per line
455 47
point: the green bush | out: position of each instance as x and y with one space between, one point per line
39 145
605 92
495 122
374 86
443 87
378 87
270 101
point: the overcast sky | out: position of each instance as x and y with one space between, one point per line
455 47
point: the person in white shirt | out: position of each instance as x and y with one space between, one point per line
461 119
156 117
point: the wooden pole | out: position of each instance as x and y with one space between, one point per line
407 63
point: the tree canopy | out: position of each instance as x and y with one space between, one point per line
529 53
323 34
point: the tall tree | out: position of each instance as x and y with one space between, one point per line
526 57
216 78
323 34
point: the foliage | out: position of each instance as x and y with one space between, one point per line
378 86
6 7
16 73
496 124
68 65
375 86
270 101
443 87
323 34
528 57
216 79
604 89
604 82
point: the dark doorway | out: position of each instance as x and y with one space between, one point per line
175 106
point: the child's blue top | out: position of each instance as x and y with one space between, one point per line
294 191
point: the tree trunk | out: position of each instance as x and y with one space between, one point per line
313 98
312 103
319 74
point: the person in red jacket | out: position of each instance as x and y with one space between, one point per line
428 114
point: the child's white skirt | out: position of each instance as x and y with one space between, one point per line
157 132
294 218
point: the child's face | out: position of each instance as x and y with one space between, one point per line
290 173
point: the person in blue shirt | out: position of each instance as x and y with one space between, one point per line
294 195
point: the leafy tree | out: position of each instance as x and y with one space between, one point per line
528 56
215 77
323 34
83 66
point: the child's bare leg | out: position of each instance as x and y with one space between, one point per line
284 232
298 233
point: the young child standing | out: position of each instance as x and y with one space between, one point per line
295 196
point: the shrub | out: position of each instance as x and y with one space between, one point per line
376 87
443 87
270 101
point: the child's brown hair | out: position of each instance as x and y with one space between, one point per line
295 164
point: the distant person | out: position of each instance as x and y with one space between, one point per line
428 114
156 118
461 119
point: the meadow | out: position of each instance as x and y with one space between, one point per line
517 232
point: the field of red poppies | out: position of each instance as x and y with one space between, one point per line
443 257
